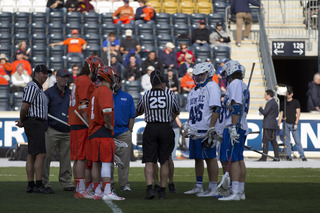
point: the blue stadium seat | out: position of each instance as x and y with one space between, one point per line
56 17
93 38
160 49
179 29
74 17
6 17
39 39
5 27
22 17
72 26
4 101
163 39
93 48
147 39
56 27
91 17
38 17
133 86
5 38
123 37
38 27
213 18
145 29
255 13
136 97
56 62
55 37
124 27
21 28
21 37
162 29
107 28
145 49
196 17
202 52
163 18
106 18
74 60
179 41
38 59
39 49
17 101
221 52
220 7
91 28
57 51
6 48
180 18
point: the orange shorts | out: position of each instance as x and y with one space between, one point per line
103 150
78 142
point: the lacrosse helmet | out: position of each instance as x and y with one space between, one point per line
231 67
94 63
109 74
205 67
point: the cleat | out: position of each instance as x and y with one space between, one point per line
43 190
97 196
69 189
162 194
77 195
112 196
156 188
87 195
230 197
208 193
172 188
150 194
126 189
196 190
29 189
242 196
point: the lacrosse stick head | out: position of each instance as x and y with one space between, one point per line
224 186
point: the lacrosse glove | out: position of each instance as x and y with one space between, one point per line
234 136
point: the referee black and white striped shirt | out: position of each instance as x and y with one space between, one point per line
158 105
34 95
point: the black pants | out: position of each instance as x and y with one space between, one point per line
270 135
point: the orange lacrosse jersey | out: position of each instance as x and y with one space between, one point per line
82 90
74 44
102 98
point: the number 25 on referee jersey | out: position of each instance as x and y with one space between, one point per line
158 102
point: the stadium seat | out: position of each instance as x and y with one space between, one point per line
56 62
196 17
21 28
124 27
24 6
4 101
221 52
39 39
104 7
123 37
160 49
56 37
215 17
91 28
6 17
145 29
6 48
162 39
41 6
116 5
91 17
57 51
187 7
183 101
56 17
170 7
145 49
163 18
147 39
57 28
136 96
255 13
133 86
38 59
204 7
156 5
8 6
72 26
106 18
38 27
134 5
93 38
39 49
179 29
178 41
21 37
91 48
74 60
17 101
74 17
5 38
220 7
107 28
202 52
5 27
163 29
180 18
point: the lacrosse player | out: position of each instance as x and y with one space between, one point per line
234 112
204 109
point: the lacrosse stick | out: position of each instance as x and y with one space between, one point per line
57 119
119 143
224 186
250 148
81 118
118 162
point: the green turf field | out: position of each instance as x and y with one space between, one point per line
267 190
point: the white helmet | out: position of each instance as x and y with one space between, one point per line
231 67
243 70
203 68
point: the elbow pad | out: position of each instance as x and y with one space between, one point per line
216 109
236 109
107 111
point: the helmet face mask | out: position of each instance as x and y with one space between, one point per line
94 63
231 67
108 74
202 73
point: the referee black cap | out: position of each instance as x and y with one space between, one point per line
42 68
156 78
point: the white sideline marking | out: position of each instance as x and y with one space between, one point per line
113 207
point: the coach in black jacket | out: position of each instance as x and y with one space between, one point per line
269 125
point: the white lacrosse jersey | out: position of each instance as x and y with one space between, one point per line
199 105
236 91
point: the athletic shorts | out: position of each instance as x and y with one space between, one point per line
78 142
226 148
103 150
35 132
197 151
89 164
158 142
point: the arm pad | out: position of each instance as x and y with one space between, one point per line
107 111
216 109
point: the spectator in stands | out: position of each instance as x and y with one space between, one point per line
144 14
181 55
130 43
152 60
172 81
219 36
200 36
313 94
19 79
75 45
51 80
72 5
169 57
243 14
4 77
186 65
113 41
186 82
132 70
84 6
145 79
56 5
125 13
26 64
116 65
4 64
222 80
75 71
22 46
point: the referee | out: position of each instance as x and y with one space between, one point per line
33 114
160 107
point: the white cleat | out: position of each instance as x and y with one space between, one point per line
242 196
87 195
230 197
208 193
196 190
112 196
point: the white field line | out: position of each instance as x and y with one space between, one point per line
113 207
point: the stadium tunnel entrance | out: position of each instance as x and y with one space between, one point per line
297 72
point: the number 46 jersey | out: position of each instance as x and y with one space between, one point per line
200 103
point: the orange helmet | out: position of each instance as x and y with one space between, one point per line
109 74
94 63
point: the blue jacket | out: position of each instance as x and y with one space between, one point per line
58 107
123 110
242 5
168 59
